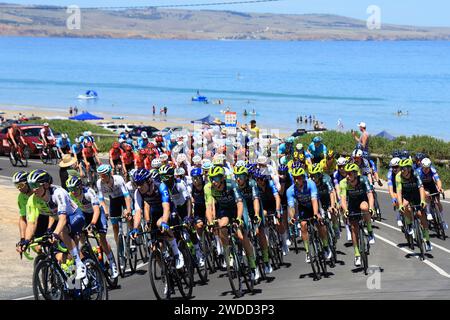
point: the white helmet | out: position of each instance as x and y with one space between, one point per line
89 133
299 146
156 163
144 135
180 172
426 162
196 160
342 161
394 162
86 133
77 140
181 158
164 157
357 153
64 135
240 163
121 141
262 160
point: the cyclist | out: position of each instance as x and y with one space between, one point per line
253 209
224 203
141 160
153 196
15 137
299 149
63 144
87 200
87 137
329 163
302 199
317 150
410 191
394 168
160 144
362 163
46 137
339 175
90 157
77 150
143 141
54 201
114 155
374 172
286 149
357 197
327 195
432 185
198 200
127 160
119 197
418 157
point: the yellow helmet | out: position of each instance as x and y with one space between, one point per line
315 169
216 171
406 163
298 172
351 167
240 170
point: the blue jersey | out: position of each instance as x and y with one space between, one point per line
142 143
429 179
373 166
302 197
283 149
317 152
76 149
63 143
337 177
267 196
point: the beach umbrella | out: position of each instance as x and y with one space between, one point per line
386 135
206 120
85 116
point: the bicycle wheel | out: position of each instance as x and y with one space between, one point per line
438 222
97 288
332 245
377 207
159 278
142 244
362 248
131 252
121 256
273 248
321 255
106 268
185 279
294 238
314 260
202 271
208 252
13 159
233 272
48 282
419 238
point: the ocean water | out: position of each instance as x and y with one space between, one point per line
352 81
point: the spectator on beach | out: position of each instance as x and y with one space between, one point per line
70 111
165 111
75 110
154 110
254 130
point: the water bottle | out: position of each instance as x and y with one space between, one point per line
99 254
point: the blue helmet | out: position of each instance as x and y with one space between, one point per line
283 169
141 175
290 140
196 172
104 169
317 139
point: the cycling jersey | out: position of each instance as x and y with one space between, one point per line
22 200
355 195
139 161
89 152
284 149
268 196
288 181
199 201
142 143
391 180
249 193
83 140
158 196
178 193
118 188
373 166
114 154
328 169
63 143
77 149
317 153
45 134
409 188
88 201
225 200
303 198
14 135
364 166
429 180
128 157
337 177
324 189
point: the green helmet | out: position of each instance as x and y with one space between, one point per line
406 163
240 170
351 167
298 172
316 169
216 171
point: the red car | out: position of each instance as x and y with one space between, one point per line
31 134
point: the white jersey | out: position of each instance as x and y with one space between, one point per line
60 201
179 193
118 188
89 200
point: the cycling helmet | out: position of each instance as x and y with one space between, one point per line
396 154
154 174
196 160
64 135
167 171
405 154
131 173
77 140
116 145
144 135
283 160
164 157
317 139
240 170
180 172
241 163
426 162
197 172
262 160
283 169
406 163
156 163
299 146
217 161
419 156
73 182
290 140
330 154
159 139
342 161
207 164
20 176
141 175
130 141
46 124
351 167
216 171
39 176
296 165
357 153
181 158
394 162
104 169
297 172
316 169
86 134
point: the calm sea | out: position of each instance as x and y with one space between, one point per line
352 81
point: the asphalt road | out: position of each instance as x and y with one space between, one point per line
397 272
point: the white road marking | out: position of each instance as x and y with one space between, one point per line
434 244
427 262
384 191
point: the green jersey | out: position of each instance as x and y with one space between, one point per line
22 200
36 206
225 199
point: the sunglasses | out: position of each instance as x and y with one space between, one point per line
299 178
34 185
241 176
21 185
406 168
216 179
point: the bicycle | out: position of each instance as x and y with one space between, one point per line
49 154
52 283
331 236
437 222
275 243
294 235
126 249
253 237
363 239
417 231
164 275
377 215
21 154
97 254
209 245
316 252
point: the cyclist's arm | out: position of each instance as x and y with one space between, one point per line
22 226
86 162
291 201
343 194
398 183
314 197
101 197
92 196
436 179
165 198
138 202
96 156
126 195
209 201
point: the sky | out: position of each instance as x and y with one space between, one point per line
409 12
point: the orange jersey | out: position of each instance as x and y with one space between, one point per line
114 154
89 152
127 158
139 161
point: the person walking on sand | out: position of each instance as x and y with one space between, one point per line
154 110
165 111
75 110
70 111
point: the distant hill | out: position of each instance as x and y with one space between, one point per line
205 25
